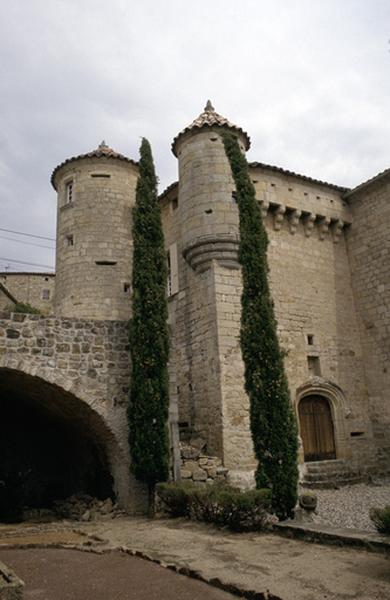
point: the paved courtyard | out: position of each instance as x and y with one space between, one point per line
288 569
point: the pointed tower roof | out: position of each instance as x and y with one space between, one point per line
210 118
101 151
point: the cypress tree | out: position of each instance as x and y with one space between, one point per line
148 334
273 423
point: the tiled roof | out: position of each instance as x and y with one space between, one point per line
367 183
210 118
101 151
170 187
303 177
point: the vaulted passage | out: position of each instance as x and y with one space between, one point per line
316 425
52 445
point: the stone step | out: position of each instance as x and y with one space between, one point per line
325 466
329 474
336 477
329 484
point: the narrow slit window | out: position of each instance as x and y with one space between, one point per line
175 203
126 287
69 240
310 339
69 192
107 263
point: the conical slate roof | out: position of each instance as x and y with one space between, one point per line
101 151
210 118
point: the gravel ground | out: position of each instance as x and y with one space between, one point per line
349 506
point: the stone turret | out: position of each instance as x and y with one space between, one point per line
96 193
208 211
215 402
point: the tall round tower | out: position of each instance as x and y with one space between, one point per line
96 193
209 217
213 405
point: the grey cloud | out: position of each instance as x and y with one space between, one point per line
308 80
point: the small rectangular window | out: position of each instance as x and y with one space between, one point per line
45 294
69 192
175 203
126 287
310 339
69 240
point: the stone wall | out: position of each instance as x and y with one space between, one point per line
84 363
312 290
201 468
36 289
369 252
315 308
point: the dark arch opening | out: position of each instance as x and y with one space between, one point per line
316 428
52 445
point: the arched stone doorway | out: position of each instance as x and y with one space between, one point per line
316 428
52 445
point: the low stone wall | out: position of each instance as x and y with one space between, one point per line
200 468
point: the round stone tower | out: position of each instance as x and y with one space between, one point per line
212 400
96 193
208 211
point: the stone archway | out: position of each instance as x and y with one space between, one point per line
335 410
52 444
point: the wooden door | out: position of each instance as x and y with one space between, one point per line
316 427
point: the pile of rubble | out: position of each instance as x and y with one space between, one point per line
197 466
82 507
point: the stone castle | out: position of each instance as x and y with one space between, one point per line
329 265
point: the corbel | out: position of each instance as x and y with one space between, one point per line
278 217
323 223
337 230
294 217
309 224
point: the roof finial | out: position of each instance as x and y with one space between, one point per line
209 107
103 144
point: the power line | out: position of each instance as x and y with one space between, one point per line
3 237
22 262
41 237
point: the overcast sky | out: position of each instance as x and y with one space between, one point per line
307 79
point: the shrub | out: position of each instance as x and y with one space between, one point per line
381 518
175 497
221 505
230 507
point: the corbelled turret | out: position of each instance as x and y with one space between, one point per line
209 215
